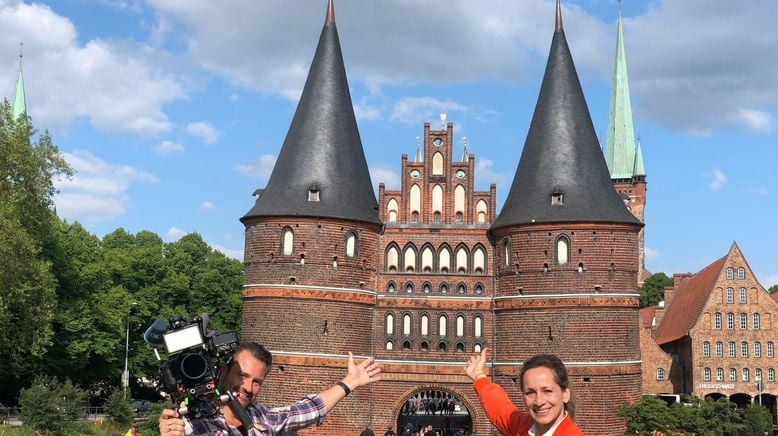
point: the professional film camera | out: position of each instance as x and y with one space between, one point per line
195 358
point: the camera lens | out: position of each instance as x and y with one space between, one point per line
194 366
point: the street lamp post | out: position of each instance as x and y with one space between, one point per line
126 373
759 389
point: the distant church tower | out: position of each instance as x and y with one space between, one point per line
568 252
19 102
623 156
311 240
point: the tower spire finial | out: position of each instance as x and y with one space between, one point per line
558 16
330 12
21 46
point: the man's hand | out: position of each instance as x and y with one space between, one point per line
476 365
363 373
170 424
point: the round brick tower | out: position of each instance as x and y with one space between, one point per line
311 239
567 257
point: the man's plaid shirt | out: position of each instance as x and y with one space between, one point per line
267 422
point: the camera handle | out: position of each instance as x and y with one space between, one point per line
238 410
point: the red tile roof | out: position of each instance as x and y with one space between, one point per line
647 316
687 304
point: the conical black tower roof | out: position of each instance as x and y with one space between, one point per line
322 150
562 158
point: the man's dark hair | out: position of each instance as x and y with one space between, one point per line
258 351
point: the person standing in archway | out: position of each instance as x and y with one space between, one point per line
546 389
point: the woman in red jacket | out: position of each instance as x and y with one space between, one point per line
546 389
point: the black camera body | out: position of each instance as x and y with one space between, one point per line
195 359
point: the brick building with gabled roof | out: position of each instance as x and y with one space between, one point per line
713 336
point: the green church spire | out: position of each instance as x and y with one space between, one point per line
640 171
620 146
19 103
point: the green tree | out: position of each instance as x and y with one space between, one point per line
758 420
50 405
773 289
653 289
647 415
119 408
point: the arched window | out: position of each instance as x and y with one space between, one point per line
415 201
460 347
392 256
460 326
706 349
730 296
562 250
425 325
392 208
770 349
409 287
480 210
506 251
442 346
479 260
437 164
287 242
745 374
771 375
461 260
479 288
389 345
706 374
390 288
744 349
437 199
731 321
406 345
477 348
743 321
758 374
732 374
443 288
459 201
757 324
425 346
719 374
719 349
743 296
660 374
478 323
757 350
409 258
406 324
741 273
717 321
731 349
445 260
461 288
730 273
351 244
442 325
426 288
389 323
427 260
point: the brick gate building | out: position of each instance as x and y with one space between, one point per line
423 275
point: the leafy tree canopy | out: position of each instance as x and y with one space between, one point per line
773 289
653 289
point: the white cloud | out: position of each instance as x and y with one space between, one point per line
755 120
411 110
204 131
174 234
168 147
236 254
207 205
259 168
485 174
717 179
116 85
98 190
769 281
383 174
365 112
652 254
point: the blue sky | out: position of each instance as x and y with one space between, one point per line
172 111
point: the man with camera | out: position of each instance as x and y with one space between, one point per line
244 375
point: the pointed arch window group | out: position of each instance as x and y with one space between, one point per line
431 260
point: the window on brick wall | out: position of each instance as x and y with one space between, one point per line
392 258
409 259
562 250
478 326
476 348
770 349
481 209
460 324
719 374
731 321
730 273
389 323
425 346
706 374
745 373
392 208
444 260
757 324
732 374
409 287
479 260
743 321
442 325
479 288
427 259
743 296
660 374
717 321
706 349
730 296
731 349
757 349
461 259
771 375
406 324
506 251
744 349
719 349
391 288
389 345
741 273
351 244
425 325
443 288
758 374
460 347
442 346
287 242
406 345
461 288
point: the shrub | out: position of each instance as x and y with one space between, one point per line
758 420
49 405
119 409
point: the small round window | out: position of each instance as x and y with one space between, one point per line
415 173
437 142
460 174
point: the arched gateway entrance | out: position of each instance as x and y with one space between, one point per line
446 411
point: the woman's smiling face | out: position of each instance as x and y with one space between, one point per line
544 398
